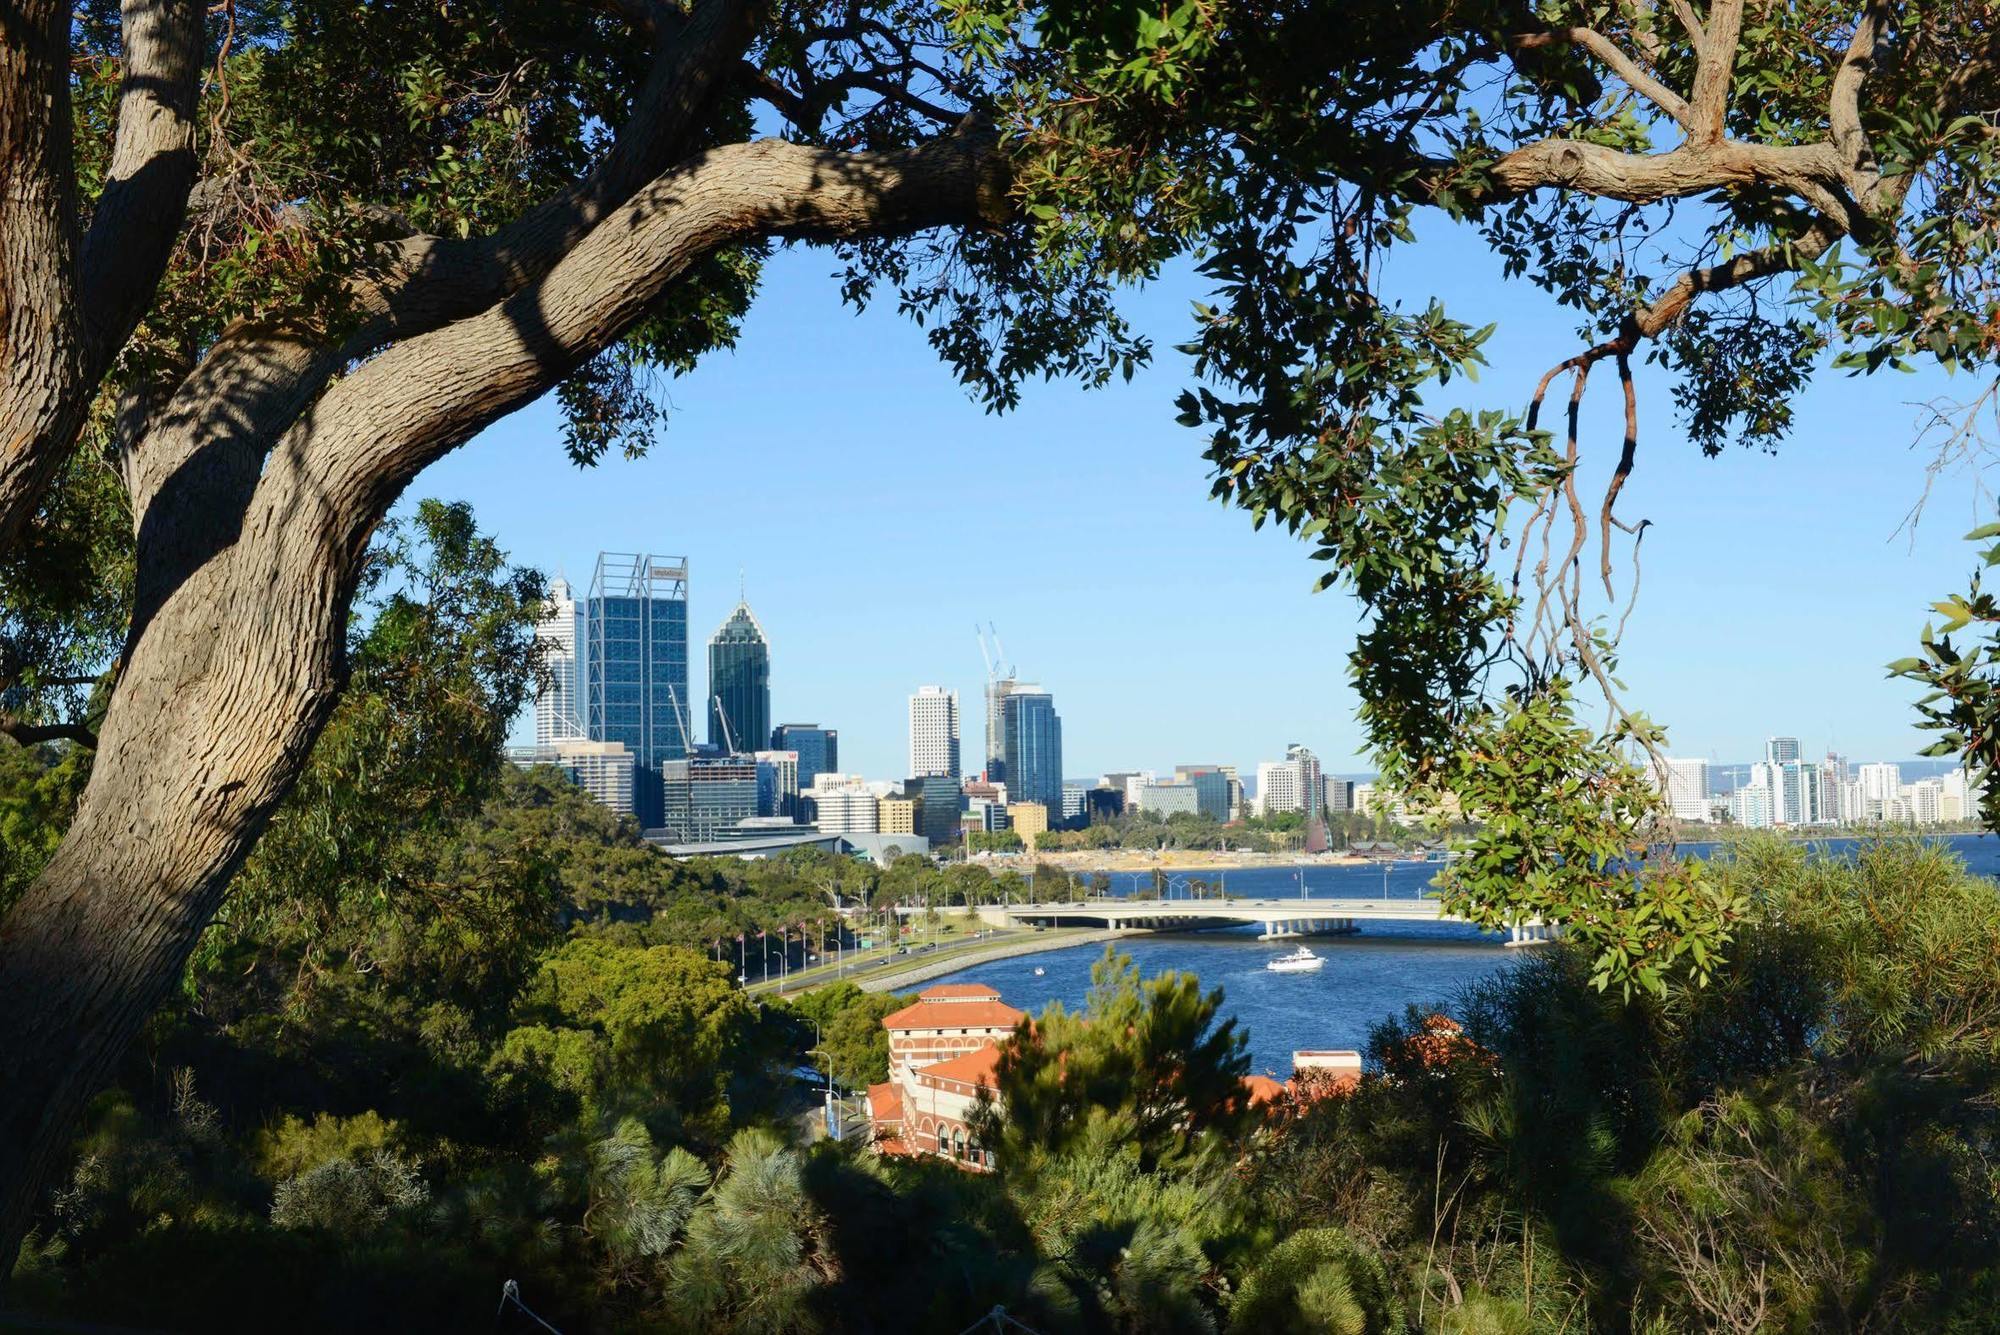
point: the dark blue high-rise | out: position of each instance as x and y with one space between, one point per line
637 661
818 748
1032 748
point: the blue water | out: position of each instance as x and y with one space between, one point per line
1366 977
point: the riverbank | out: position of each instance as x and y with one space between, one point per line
1033 945
889 972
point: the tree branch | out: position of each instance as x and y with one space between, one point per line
1643 178
44 392
138 217
1620 64
1844 104
1690 21
374 430
255 382
1716 69
34 734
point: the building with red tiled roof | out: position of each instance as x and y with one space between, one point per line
944 1057
1263 1089
946 1021
939 1101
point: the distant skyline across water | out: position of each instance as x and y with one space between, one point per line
874 515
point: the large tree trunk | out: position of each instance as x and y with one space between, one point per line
256 492
231 675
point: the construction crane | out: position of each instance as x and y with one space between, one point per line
680 719
722 715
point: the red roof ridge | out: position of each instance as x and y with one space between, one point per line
972 1068
957 991
954 1015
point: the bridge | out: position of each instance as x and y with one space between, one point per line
1279 918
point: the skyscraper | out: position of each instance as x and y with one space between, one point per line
1031 746
778 783
1684 783
560 632
938 806
997 691
1778 750
705 798
739 683
818 748
637 666
1291 784
934 732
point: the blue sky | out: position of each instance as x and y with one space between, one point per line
877 514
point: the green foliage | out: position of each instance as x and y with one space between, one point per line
39 788
349 1195
1129 1247
640 1200
1908 943
653 1028
1960 702
1146 1063
854 1045
294 1146
751 1261
1809 1132
362 866
1317 1279
993 841
1555 809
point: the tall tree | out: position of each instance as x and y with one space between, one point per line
261 265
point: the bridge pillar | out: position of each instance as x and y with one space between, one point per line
1531 934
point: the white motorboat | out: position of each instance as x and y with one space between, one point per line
1299 961
1039 971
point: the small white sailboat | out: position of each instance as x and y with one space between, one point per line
1299 961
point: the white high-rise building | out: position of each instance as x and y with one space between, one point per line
1854 807
1291 784
1957 801
843 804
1778 750
559 706
1881 782
1278 788
1684 783
1751 806
1926 798
934 732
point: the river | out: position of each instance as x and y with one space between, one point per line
1366 977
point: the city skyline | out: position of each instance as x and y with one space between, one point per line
534 723
1163 597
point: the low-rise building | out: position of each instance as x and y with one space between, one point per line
1028 819
895 815
944 1058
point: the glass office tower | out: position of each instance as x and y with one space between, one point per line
638 666
1033 747
818 748
739 684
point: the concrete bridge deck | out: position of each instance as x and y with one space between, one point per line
1279 918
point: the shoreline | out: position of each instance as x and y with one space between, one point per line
1004 951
